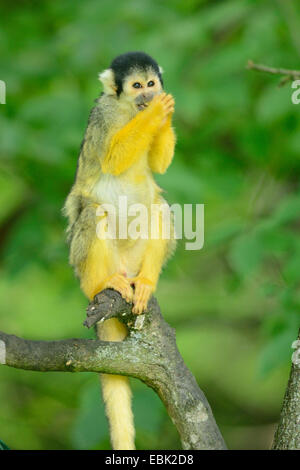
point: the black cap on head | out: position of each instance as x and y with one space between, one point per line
122 65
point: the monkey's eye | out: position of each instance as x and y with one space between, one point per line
151 83
137 85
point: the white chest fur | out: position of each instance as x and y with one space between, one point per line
110 188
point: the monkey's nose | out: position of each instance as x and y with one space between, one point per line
147 96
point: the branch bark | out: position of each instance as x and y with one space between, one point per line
287 436
149 353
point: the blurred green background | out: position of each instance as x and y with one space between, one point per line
235 304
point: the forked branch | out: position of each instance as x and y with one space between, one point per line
149 353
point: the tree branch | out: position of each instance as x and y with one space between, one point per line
287 436
288 75
149 353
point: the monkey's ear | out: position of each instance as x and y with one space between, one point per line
108 80
161 70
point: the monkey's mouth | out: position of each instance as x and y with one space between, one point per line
142 106
143 101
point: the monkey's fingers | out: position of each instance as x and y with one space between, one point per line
163 98
121 284
170 109
168 99
168 104
157 100
165 103
142 294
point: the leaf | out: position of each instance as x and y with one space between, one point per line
277 351
224 232
11 195
175 183
3 446
274 104
288 210
291 269
246 254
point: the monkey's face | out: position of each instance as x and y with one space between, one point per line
140 87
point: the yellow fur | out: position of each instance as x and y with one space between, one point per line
122 147
117 393
115 389
162 148
128 144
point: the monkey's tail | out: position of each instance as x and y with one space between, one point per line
116 393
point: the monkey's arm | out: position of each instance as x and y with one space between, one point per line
162 148
130 142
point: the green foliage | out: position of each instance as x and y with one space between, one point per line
87 431
3 446
235 304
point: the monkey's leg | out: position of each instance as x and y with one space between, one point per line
145 282
154 256
99 273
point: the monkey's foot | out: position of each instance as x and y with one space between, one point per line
142 293
121 284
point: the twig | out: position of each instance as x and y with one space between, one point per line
149 353
288 75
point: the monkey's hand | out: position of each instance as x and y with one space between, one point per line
142 293
164 103
121 284
135 138
163 144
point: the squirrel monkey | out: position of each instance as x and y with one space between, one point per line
129 136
